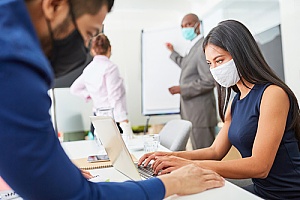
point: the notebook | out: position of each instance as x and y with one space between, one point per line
107 131
82 163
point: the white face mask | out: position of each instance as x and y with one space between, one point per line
226 74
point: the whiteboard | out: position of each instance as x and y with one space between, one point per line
159 72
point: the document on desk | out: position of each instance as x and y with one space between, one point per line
98 178
6 192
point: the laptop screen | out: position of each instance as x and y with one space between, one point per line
107 131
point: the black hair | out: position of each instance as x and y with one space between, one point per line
92 7
234 37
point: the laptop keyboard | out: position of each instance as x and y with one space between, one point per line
145 172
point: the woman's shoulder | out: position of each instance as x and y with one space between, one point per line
275 90
275 93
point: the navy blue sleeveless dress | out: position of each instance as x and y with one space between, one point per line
283 181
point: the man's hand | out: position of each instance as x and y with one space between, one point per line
174 90
86 174
170 46
88 98
190 179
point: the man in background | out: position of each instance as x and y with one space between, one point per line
32 161
196 89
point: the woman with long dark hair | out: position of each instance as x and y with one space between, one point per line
262 121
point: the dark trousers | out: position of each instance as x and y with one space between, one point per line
202 137
92 129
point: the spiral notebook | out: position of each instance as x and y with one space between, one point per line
82 163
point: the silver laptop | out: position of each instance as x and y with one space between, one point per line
107 131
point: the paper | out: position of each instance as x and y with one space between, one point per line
6 192
98 178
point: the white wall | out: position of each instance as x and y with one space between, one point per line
290 29
257 16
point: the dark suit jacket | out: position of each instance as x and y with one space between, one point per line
197 100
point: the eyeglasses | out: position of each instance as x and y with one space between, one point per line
99 31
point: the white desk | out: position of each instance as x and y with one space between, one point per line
80 149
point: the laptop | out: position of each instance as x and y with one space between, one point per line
107 131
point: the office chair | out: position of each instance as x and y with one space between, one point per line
240 182
175 134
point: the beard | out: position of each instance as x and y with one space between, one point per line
60 32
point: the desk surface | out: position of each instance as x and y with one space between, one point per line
84 148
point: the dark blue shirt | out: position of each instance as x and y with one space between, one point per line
32 160
283 181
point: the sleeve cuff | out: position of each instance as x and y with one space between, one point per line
154 188
184 90
173 55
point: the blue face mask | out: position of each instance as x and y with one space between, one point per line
189 32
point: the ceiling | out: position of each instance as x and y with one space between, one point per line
258 15
167 5
201 7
